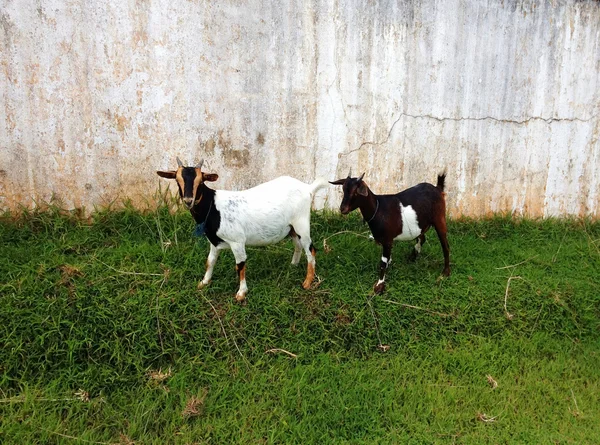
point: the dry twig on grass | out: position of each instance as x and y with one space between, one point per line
518 264
380 346
508 315
575 412
125 272
225 333
79 439
328 249
441 314
485 418
274 350
555 256
80 395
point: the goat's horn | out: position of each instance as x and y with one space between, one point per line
350 172
361 176
200 163
179 163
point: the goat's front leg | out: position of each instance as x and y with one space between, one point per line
210 265
386 258
239 252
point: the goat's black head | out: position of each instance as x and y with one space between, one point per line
189 180
354 190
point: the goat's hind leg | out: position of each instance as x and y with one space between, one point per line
297 246
417 249
302 230
442 233
239 252
210 265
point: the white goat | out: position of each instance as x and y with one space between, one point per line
258 216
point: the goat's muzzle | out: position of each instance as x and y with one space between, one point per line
344 210
189 202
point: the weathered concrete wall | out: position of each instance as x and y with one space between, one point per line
96 95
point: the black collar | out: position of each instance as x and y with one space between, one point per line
376 208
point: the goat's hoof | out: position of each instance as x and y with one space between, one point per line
379 288
413 256
446 272
306 284
240 297
202 284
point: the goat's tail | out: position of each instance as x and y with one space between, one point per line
441 182
316 185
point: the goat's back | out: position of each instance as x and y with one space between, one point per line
426 199
263 214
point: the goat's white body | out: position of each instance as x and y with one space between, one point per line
263 214
410 224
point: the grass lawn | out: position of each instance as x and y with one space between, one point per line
104 337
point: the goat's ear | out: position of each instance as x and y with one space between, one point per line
338 182
168 175
209 177
363 189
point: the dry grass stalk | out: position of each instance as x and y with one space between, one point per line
493 383
125 272
508 315
380 344
576 411
125 440
159 376
326 246
225 333
82 395
555 256
79 439
194 406
485 418
518 264
441 314
274 350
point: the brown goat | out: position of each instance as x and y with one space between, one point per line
404 216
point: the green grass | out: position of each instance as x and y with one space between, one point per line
92 310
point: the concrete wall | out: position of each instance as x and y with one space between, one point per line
96 95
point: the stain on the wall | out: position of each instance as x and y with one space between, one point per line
236 158
122 122
209 147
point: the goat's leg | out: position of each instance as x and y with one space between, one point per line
297 247
311 253
210 265
441 230
239 252
386 258
302 229
417 250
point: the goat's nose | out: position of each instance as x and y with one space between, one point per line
188 202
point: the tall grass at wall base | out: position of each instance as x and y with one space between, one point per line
104 336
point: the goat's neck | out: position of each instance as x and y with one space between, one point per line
201 210
369 206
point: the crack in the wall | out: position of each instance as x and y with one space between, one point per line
475 119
